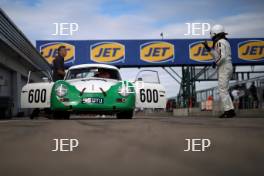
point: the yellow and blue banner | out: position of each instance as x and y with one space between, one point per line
150 53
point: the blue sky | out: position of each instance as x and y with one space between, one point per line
136 19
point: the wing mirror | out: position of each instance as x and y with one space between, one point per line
140 79
45 79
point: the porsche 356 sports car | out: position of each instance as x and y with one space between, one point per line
96 89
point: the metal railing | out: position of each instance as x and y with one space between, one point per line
250 96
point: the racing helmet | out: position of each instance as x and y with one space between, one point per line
217 29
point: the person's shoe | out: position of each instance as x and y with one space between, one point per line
228 114
231 113
224 115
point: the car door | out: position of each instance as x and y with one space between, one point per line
149 91
36 95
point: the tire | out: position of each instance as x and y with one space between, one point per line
67 115
125 114
61 115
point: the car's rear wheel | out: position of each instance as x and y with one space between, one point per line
125 114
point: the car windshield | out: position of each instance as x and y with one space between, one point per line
93 72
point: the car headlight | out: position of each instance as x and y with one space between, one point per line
61 90
125 90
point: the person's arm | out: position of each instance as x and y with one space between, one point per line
59 66
209 51
60 70
219 52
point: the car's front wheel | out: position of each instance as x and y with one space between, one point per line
61 115
125 114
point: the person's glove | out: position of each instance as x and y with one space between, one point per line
206 46
214 65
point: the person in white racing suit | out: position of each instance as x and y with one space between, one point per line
221 51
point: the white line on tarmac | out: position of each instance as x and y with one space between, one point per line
23 120
6 121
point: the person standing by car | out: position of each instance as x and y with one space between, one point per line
58 64
235 93
221 51
254 95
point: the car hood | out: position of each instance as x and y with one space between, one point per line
93 85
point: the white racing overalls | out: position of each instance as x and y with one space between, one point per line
222 55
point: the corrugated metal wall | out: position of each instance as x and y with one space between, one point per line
17 57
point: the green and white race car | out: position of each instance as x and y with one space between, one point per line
92 89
